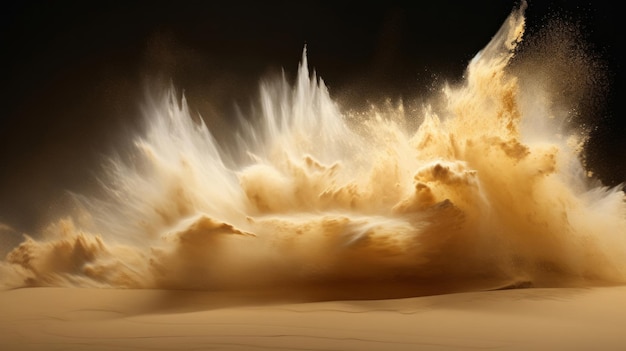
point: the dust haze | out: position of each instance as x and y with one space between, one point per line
484 186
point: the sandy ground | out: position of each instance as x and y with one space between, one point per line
107 319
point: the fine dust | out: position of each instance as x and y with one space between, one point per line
485 193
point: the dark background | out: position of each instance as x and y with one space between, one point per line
75 72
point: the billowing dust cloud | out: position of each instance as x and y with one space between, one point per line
486 192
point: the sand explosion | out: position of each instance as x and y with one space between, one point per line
486 192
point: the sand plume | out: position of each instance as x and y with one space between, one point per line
486 191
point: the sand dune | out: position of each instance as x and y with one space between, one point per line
115 319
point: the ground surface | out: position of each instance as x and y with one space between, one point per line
515 319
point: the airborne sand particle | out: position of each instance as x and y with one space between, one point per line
474 198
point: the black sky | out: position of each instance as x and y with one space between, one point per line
75 71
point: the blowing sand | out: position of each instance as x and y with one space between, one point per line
485 187
116 319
